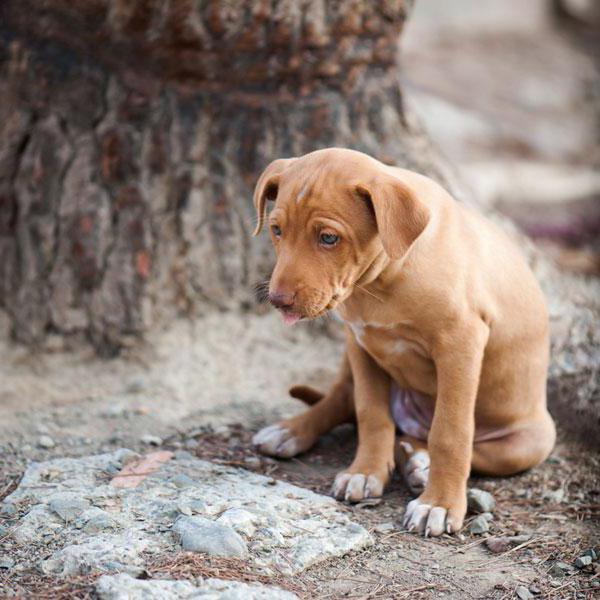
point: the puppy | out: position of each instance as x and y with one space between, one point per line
446 330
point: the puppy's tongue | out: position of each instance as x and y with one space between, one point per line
289 318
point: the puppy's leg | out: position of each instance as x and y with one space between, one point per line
298 434
374 461
412 460
518 451
458 356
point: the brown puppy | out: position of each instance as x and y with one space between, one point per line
447 330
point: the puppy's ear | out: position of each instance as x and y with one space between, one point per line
400 216
267 188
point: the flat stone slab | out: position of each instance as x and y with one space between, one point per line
125 587
183 503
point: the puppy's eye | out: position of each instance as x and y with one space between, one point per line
276 230
329 239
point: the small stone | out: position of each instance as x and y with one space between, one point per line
182 480
560 569
252 461
479 525
240 520
191 444
8 510
183 455
135 386
6 562
151 440
45 441
583 561
534 589
385 527
523 593
480 501
488 516
197 534
591 553
502 544
68 506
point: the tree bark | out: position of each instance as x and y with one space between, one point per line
131 134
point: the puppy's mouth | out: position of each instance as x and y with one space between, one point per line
290 317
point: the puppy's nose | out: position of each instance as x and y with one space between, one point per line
281 299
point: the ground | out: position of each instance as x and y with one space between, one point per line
556 504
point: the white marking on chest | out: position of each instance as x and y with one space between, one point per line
358 328
400 346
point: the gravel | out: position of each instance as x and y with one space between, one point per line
479 525
480 501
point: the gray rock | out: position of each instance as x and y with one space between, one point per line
45 441
125 587
6 562
151 440
385 527
488 516
591 553
523 593
241 520
67 505
198 534
480 501
294 527
560 569
182 480
583 561
479 525
8 510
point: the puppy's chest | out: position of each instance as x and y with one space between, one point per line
392 345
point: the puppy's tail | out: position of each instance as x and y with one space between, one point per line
308 395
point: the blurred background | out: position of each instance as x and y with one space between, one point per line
510 91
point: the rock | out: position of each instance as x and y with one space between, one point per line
125 587
560 569
523 593
117 528
583 561
45 441
502 544
240 520
488 516
479 525
6 562
68 506
151 440
182 480
197 534
385 527
480 501
191 444
8 510
591 553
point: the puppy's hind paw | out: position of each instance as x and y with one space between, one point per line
416 468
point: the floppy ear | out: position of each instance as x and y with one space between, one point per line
401 217
267 187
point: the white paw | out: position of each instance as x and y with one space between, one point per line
427 519
416 470
354 487
277 440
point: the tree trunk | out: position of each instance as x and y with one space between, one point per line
131 134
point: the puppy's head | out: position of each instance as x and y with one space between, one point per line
336 212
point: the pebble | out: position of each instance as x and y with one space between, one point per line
385 527
591 553
523 593
583 561
45 441
6 562
560 569
191 444
240 520
480 501
252 461
182 480
502 544
67 506
151 440
8 510
479 525
488 516
197 534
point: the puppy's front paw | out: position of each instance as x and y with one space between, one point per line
361 481
280 441
434 517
